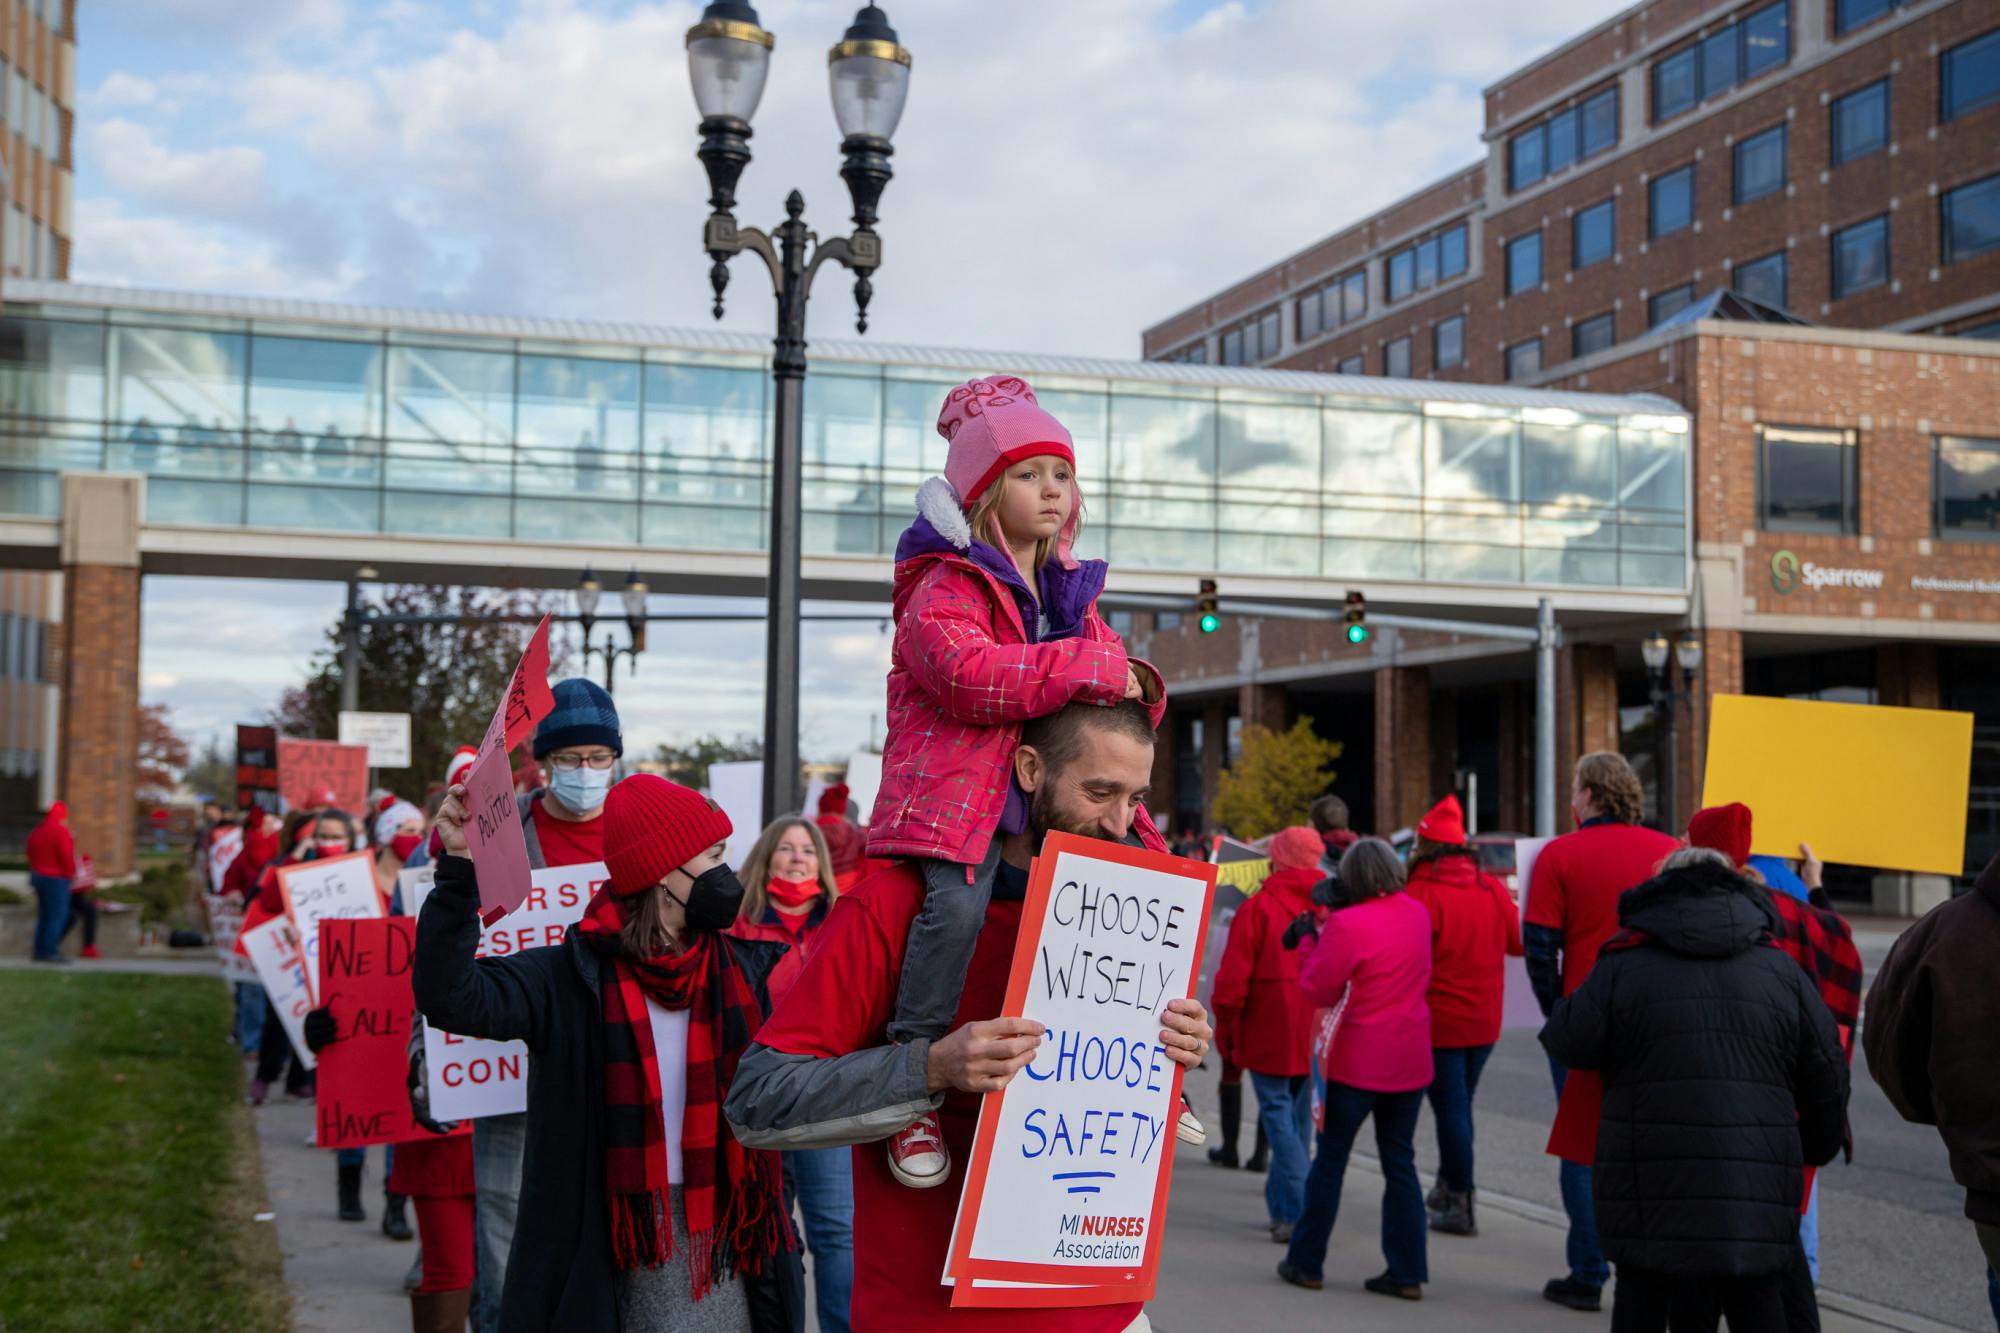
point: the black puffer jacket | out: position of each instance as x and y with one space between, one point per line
1723 1076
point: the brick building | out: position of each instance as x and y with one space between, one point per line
1846 526
1839 159
37 127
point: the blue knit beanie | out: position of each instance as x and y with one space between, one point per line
583 715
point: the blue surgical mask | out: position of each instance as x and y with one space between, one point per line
582 790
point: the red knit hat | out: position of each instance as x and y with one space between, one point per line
833 801
1445 824
1296 848
1723 828
652 826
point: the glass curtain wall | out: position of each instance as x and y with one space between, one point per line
337 428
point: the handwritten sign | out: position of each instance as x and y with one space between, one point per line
309 770
337 888
362 1094
223 850
527 700
225 923
1084 1137
273 949
493 835
472 1076
257 768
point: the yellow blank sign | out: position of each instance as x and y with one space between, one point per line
1865 785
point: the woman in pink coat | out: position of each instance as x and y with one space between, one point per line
1373 961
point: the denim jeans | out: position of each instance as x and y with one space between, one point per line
940 947
1284 1109
1586 1257
359 1157
1405 1229
1451 1092
251 1007
823 1180
1809 1231
497 1144
51 913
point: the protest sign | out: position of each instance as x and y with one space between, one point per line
225 923
274 951
308 771
386 737
738 787
337 888
527 699
494 838
472 1076
223 850
864 780
257 768
1526 851
362 1094
1084 1136
1807 769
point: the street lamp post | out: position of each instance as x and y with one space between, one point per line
1666 710
588 590
729 56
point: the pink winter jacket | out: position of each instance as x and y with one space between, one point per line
962 679
1383 946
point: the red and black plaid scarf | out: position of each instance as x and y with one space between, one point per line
730 1194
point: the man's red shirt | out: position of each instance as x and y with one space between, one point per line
843 1003
568 842
1577 880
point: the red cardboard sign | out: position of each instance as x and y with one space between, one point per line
308 770
528 699
364 981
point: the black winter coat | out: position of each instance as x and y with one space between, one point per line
1723 1076
1932 1034
560 1273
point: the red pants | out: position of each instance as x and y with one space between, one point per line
444 1229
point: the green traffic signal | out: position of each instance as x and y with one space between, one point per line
1357 634
1210 623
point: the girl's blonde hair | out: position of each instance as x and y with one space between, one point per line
985 518
756 875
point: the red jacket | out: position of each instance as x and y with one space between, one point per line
1473 929
52 850
772 927
1262 1017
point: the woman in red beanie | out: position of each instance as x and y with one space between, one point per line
1473 928
639 1209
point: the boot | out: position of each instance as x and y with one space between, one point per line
1261 1158
350 1194
1434 1201
1455 1218
440 1311
395 1221
1224 1153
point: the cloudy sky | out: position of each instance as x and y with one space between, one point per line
1067 173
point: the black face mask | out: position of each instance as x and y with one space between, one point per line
713 900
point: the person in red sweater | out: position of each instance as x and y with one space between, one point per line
51 866
1572 910
1265 1019
1473 929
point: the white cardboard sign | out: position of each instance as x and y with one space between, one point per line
222 853
472 1076
335 889
387 736
274 951
225 923
1526 850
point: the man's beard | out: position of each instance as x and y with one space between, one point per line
1044 816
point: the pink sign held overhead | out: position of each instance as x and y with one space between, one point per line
493 835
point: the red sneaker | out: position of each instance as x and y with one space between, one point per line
89 951
917 1155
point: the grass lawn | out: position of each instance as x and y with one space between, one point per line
129 1178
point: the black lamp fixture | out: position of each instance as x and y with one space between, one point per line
868 71
589 592
1655 650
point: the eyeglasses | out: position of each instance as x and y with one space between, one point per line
569 763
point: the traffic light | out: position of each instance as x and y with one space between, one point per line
1357 617
1206 606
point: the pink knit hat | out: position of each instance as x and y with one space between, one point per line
993 424
1297 848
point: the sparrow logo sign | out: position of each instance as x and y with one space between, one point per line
1788 572
1784 572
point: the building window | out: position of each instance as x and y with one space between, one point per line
1352 365
1569 136
1120 623
1969 76
1760 165
1971 217
1968 488
1338 302
1663 306
1254 340
1396 358
1591 234
1806 480
1861 256
1851 14
1524 359
1593 335
1670 200
1448 343
1763 279
1987 332
1430 261
1194 354
1861 122
1166 620
1742 50
1524 263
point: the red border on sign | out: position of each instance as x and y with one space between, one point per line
1075 1285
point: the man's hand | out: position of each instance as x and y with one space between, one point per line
1187 1035
451 821
984 1056
1811 869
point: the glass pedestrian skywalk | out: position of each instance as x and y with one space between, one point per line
302 417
